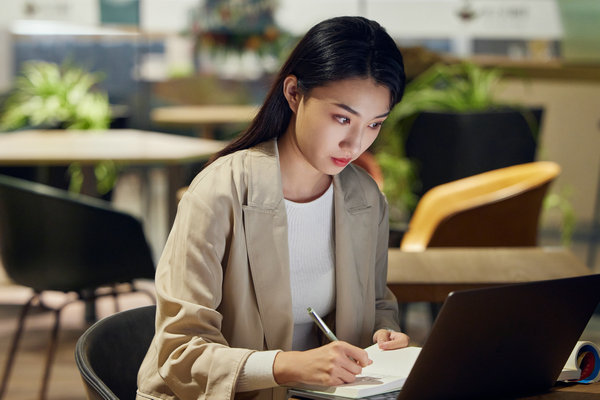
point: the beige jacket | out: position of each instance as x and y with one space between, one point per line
223 285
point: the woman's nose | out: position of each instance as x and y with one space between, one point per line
352 141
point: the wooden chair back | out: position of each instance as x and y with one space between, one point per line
494 208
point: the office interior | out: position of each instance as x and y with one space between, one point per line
152 54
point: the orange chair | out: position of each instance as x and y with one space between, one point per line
491 209
498 208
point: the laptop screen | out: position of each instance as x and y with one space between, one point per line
503 341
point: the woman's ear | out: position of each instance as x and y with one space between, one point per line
291 93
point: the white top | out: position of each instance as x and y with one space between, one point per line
312 281
312 261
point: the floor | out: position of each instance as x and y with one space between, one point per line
65 382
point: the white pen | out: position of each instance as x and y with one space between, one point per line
321 324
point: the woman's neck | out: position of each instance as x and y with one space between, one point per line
301 182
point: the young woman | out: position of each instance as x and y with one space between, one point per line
280 221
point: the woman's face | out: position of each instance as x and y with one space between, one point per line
336 123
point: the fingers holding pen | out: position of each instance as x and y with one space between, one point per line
336 363
333 364
350 355
342 362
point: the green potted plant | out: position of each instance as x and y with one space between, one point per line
449 126
235 39
49 96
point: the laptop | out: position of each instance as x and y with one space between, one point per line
501 342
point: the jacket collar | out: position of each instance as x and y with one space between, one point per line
264 176
263 167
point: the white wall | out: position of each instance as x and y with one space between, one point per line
81 12
165 16
405 19
84 12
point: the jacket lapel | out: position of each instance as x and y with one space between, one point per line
352 218
265 225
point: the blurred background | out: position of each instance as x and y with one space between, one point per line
154 53
200 69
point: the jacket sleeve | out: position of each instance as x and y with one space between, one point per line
386 305
194 359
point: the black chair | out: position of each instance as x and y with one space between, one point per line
53 240
111 351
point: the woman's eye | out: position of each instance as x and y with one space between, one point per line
342 120
375 125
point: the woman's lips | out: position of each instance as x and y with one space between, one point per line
341 162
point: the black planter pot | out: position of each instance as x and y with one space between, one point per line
448 146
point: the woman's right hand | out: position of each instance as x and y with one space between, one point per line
330 365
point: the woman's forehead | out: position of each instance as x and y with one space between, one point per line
358 95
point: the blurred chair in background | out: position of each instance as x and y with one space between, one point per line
495 208
110 352
499 208
51 240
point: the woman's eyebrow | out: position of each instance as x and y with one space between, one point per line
353 111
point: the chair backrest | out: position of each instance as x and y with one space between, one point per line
110 352
494 208
53 240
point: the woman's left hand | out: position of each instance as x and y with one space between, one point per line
390 340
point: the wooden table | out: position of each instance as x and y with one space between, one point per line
570 391
128 146
124 146
205 117
431 274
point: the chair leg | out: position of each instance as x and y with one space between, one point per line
15 342
50 354
115 296
89 298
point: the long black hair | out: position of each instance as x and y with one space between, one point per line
335 49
